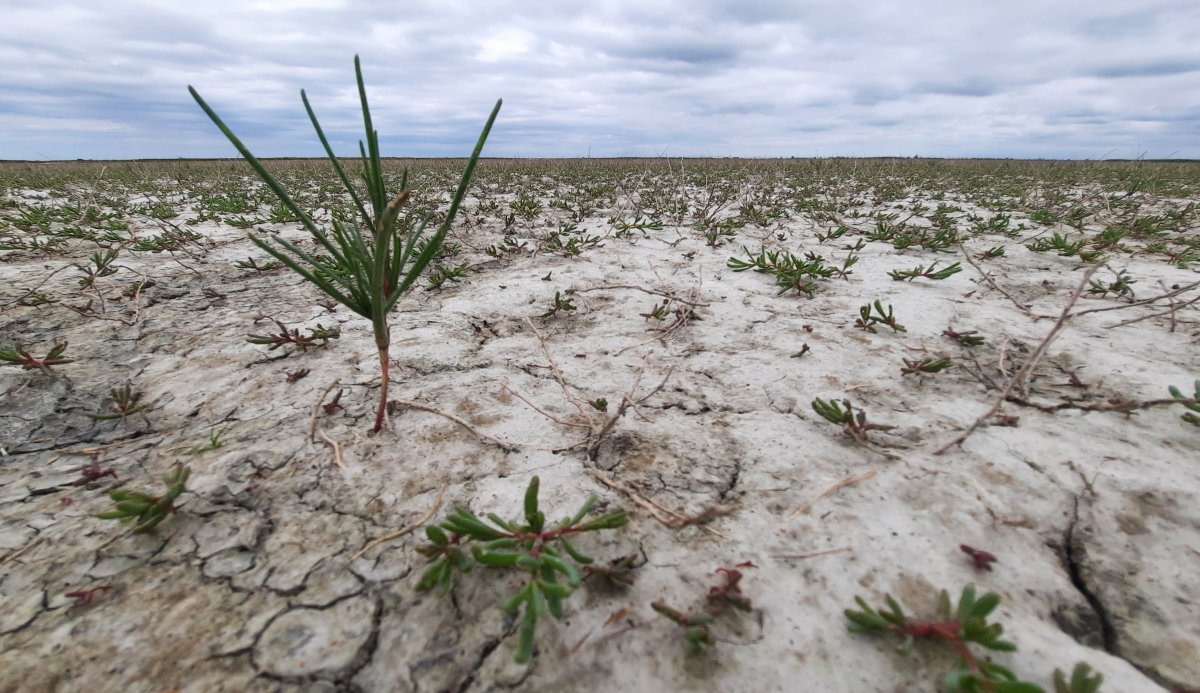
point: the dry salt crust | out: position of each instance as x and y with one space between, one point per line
257 584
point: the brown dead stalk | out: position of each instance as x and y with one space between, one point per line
840 484
1018 379
597 423
991 282
487 437
660 513
437 503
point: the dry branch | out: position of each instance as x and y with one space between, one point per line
1026 368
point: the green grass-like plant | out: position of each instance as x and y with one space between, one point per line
121 403
145 510
544 553
373 258
930 272
924 366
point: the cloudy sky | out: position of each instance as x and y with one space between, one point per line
1018 78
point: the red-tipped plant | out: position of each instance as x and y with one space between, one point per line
17 356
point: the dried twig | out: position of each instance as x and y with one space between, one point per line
840 484
812 554
664 294
1143 302
337 449
437 503
1169 312
990 282
312 419
1026 368
597 423
507 447
658 511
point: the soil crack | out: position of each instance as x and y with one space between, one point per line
1073 556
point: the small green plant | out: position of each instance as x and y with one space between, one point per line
1122 286
574 245
374 260
791 273
136 288
924 366
868 320
959 627
600 404
969 338
36 298
844 271
545 554
833 233
658 311
508 245
718 601
928 273
696 637
526 206
121 403
252 264
853 423
993 252
1082 680
17 356
561 303
1192 403
1043 216
1058 243
639 223
293 337
718 234
616 574
442 274
101 267
145 510
280 214
215 441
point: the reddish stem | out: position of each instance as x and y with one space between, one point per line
948 631
383 390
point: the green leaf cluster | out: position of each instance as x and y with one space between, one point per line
544 553
931 272
1177 394
791 273
145 510
867 320
958 625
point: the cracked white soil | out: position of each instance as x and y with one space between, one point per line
256 583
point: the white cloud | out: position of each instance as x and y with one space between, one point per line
768 77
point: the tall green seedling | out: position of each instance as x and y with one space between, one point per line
370 260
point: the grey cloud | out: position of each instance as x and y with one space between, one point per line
969 87
715 77
1149 69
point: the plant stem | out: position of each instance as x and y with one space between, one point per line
383 389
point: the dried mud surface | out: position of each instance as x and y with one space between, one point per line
256 583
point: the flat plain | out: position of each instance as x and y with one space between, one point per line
680 338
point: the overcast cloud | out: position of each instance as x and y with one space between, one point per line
1042 78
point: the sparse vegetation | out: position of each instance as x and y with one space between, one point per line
543 553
